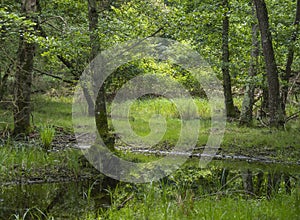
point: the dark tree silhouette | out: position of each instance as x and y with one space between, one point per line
276 115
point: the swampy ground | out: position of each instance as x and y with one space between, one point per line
44 176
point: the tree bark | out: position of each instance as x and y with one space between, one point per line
230 110
23 76
89 100
276 115
248 102
290 59
100 103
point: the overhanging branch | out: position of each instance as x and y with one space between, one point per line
53 76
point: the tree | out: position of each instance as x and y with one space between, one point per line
276 116
248 101
23 75
289 61
95 49
230 110
100 103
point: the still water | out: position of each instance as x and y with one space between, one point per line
74 200
67 200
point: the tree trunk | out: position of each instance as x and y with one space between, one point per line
89 100
276 115
248 102
230 110
100 105
95 49
23 76
265 98
289 62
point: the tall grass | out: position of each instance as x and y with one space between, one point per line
26 160
154 201
145 108
160 202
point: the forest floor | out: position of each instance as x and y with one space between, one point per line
256 144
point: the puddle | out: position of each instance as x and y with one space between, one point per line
68 200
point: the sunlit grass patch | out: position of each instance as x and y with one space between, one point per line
52 110
262 141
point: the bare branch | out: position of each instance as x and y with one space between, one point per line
53 76
293 116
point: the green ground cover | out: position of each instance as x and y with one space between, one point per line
189 193
254 141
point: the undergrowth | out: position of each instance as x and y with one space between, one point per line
160 118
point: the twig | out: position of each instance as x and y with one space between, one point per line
54 17
125 201
293 116
51 25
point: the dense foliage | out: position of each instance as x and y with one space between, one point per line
63 43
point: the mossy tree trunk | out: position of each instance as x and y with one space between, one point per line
23 75
230 110
100 103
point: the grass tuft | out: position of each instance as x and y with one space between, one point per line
47 134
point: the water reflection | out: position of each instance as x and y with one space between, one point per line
75 200
61 200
